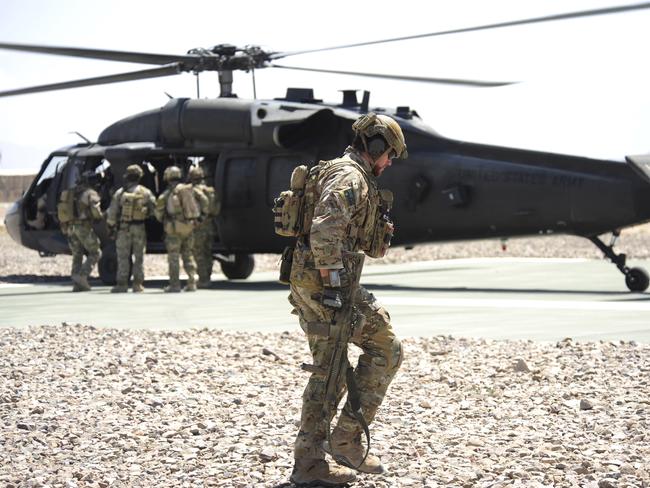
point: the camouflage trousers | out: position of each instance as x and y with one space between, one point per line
131 241
203 237
380 359
83 240
177 247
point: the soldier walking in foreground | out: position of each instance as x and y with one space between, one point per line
131 205
341 213
206 229
179 208
77 209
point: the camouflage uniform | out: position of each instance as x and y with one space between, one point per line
345 199
130 207
205 231
179 235
82 238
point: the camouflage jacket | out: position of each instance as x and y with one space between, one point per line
88 205
345 207
114 213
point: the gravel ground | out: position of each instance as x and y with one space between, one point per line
87 407
19 264
81 406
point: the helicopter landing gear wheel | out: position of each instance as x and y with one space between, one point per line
636 279
237 266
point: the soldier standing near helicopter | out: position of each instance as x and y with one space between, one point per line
179 208
205 231
131 205
77 209
343 212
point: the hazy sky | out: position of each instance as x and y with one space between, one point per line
584 83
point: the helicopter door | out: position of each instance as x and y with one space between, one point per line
40 201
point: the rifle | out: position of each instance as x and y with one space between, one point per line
344 321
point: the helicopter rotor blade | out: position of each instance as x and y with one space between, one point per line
535 20
445 81
125 56
171 69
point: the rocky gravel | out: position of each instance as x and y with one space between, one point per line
19 264
87 407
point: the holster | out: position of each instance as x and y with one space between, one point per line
285 265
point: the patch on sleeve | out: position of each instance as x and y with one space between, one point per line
350 197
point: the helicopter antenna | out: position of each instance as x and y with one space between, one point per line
168 95
198 85
80 135
254 87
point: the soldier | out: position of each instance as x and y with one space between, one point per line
77 209
131 205
179 208
205 231
344 213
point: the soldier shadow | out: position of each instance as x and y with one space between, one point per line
236 285
35 279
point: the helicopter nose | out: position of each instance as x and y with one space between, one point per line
12 221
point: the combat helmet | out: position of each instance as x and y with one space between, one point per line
196 174
173 173
134 172
371 124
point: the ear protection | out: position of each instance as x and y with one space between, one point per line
377 147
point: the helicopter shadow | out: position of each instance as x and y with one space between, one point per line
457 289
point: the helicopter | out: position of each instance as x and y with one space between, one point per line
446 190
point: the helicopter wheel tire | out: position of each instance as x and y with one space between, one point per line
240 269
637 279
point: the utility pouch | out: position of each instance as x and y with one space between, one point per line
287 213
288 207
381 238
285 265
383 231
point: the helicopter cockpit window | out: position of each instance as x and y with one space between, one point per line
55 166
239 178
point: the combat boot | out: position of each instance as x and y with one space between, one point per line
173 288
318 472
203 284
348 451
81 282
191 286
119 288
138 288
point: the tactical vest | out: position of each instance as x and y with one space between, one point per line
294 209
133 205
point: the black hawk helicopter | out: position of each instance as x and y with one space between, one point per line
446 190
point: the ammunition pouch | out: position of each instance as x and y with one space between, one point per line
285 265
381 238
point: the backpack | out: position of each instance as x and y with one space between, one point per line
66 209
